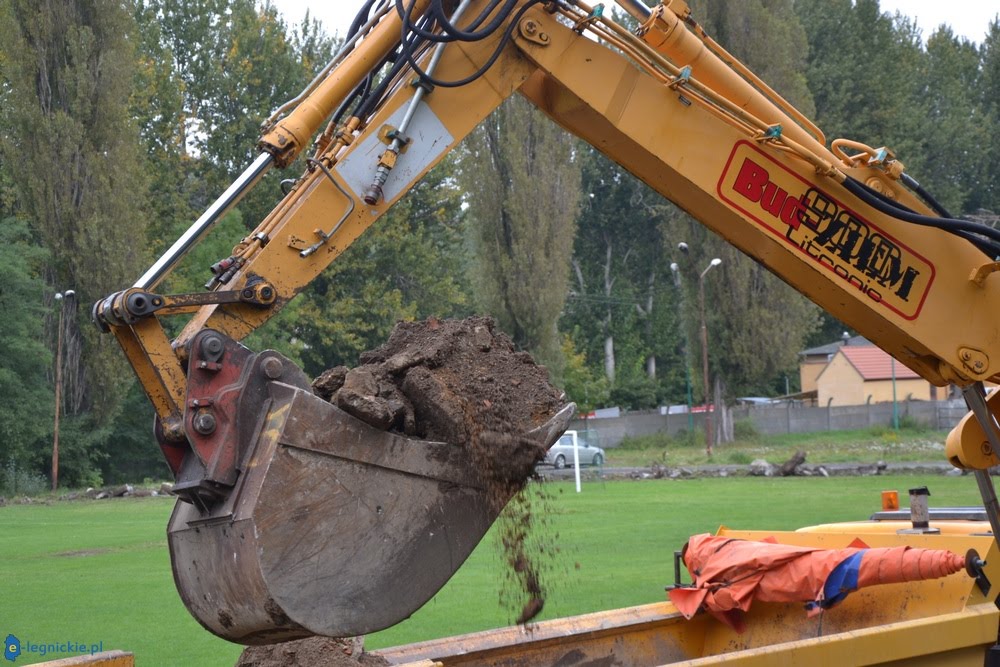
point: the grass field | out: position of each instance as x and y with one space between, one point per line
99 571
859 446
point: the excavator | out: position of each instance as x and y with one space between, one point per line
294 519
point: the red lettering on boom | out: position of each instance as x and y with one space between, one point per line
751 180
754 183
774 197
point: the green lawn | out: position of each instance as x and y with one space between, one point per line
99 571
860 446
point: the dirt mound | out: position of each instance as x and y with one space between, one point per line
464 383
455 381
311 652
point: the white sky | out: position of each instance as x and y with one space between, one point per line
968 18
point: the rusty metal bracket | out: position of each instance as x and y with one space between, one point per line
129 306
226 391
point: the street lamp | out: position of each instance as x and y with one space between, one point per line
895 408
60 296
709 434
676 269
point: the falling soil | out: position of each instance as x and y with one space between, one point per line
311 652
462 382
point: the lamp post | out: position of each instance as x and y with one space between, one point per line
709 434
60 296
895 408
676 269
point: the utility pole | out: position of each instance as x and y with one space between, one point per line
709 433
61 297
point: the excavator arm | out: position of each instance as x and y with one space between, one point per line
845 225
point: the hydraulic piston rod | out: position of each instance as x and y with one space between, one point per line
212 214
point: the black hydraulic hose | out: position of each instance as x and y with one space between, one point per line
962 228
504 40
411 45
470 34
450 31
360 18
912 183
370 101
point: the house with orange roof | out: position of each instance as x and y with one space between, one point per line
814 360
856 375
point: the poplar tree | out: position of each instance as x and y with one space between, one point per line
523 184
68 70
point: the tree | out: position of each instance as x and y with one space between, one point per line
524 181
990 96
622 302
957 131
875 105
26 408
67 73
214 70
589 390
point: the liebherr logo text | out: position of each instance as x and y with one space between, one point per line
805 217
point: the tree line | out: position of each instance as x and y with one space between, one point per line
120 122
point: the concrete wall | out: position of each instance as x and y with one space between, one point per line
784 418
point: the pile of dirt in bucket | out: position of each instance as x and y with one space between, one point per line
311 652
464 383
455 381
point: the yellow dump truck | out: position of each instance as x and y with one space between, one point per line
948 621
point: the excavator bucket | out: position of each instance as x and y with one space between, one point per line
333 527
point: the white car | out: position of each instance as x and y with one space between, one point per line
560 454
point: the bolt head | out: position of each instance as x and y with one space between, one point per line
211 345
204 423
272 368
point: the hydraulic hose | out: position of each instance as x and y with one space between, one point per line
963 228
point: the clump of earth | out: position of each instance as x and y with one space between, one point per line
463 382
455 381
311 652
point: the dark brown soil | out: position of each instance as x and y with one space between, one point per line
455 381
462 382
311 652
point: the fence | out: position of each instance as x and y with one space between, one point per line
783 418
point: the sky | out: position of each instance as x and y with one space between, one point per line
968 18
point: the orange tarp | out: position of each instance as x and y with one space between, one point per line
729 574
